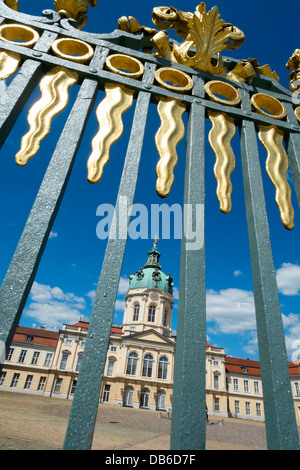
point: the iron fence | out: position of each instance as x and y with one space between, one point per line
196 93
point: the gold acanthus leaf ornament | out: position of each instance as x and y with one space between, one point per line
204 35
208 37
294 64
75 9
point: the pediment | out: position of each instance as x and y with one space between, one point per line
149 336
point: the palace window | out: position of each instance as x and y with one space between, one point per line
78 364
48 359
110 367
58 385
10 354
128 396
256 386
236 406
73 388
42 383
132 363
217 404
64 360
246 386
28 381
22 355
235 385
163 367
258 409
147 365
106 394
297 390
161 400
151 314
2 377
15 379
216 381
136 311
248 410
145 395
35 357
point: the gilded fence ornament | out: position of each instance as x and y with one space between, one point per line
75 9
248 68
109 113
172 129
277 160
9 63
204 35
54 88
294 64
220 136
14 34
13 4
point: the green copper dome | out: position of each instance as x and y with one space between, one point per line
151 275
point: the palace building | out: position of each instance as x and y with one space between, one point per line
140 359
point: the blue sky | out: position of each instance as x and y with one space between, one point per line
68 273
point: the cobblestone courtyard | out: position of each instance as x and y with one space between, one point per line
29 422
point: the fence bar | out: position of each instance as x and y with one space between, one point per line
83 415
21 272
18 92
293 149
280 417
188 428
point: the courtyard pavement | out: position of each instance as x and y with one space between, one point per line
30 422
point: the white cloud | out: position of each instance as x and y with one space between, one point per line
123 285
291 324
120 305
175 293
232 310
52 307
91 294
288 279
237 273
53 235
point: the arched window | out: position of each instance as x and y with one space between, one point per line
151 314
161 400
128 396
132 363
145 394
110 366
163 367
147 365
136 311
165 317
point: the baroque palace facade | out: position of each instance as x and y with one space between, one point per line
140 358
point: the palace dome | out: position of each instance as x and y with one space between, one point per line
151 276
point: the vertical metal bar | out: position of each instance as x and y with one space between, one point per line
293 149
21 272
83 415
281 429
188 429
18 92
